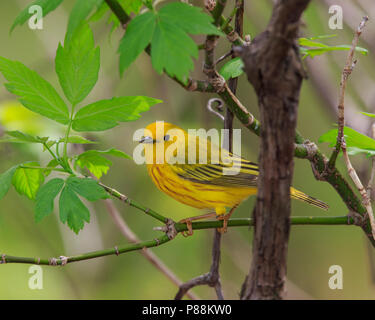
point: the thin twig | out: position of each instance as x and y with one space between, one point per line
134 204
149 255
372 176
223 57
349 65
232 83
210 44
341 122
211 278
353 174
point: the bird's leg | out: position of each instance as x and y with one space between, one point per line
189 220
225 218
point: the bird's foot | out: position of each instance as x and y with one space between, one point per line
225 219
189 226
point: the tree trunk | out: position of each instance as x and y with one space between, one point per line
273 67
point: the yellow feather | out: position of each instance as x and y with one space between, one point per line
202 185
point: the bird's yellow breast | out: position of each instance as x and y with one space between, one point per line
197 195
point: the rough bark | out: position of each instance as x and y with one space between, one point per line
273 67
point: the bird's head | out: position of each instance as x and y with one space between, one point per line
158 137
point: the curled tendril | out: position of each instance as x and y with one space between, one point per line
218 104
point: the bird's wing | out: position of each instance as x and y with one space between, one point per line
243 173
234 171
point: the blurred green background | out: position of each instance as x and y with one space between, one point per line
312 249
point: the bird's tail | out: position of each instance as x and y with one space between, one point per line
295 194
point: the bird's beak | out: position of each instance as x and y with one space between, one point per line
146 139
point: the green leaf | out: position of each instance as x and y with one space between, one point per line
354 151
45 197
371 115
312 52
11 140
95 163
99 13
78 140
35 93
115 23
323 36
78 14
6 181
27 181
48 144
189 18
131 6
23 137
308 42
77 64
355 142
52 164
46 5
148 4
72 210
311 48
138 35
232 69
171 47
106 114
111 152
171 50
87 188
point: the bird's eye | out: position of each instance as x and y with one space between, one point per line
166 137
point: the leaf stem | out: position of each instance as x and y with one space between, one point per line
66 141
65 154
57 149
57 158
229 19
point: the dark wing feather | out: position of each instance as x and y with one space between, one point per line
246 173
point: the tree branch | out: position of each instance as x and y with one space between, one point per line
180 227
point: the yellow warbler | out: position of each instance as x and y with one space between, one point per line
196 172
